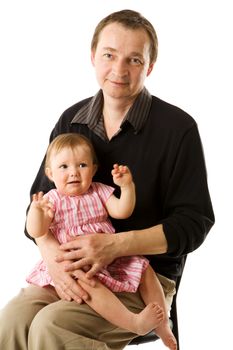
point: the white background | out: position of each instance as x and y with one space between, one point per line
45 67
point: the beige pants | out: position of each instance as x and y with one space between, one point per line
37 319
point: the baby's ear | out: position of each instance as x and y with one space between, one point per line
95 167
48 173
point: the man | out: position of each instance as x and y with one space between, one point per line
161 145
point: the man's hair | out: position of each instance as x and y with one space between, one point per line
132 20
70 140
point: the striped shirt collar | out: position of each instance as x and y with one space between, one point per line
91 113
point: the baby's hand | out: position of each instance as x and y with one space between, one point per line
42 203
121 175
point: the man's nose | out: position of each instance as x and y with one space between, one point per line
120 68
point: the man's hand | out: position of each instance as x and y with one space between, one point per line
66 285
91 252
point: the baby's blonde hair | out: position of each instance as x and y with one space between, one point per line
70 140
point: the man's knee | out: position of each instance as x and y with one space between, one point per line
43 319
62 316
15 320
56 327
17 314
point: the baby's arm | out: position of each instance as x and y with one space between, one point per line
122 208
40 216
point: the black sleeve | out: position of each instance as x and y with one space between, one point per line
188 208
41 182
63 125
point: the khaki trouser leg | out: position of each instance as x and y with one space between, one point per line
16 317
69 326
38 320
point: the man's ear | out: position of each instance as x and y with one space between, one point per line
93 58
48 173
151 66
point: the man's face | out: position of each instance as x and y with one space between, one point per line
122 61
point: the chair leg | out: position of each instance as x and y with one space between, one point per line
174 318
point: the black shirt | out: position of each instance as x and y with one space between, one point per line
161 145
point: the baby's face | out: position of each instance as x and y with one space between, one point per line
72 170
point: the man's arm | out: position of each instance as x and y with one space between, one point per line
187 211
65 285
99 250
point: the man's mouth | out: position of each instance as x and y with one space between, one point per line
119 83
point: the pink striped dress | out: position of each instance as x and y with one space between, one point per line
85 214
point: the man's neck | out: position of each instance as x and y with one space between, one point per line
114 112
115 109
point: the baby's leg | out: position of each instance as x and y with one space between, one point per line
106 304
152 292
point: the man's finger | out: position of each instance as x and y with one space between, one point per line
73 255
82 276
92 272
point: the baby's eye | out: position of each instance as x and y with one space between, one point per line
63 166
82 165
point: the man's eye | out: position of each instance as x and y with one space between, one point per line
136 61
108 55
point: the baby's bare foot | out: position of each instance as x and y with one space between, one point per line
149 318
164 332
171 343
